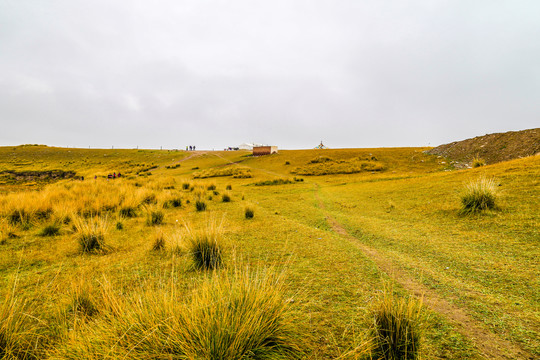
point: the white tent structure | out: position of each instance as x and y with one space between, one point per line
248 146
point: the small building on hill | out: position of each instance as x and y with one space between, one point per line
264 150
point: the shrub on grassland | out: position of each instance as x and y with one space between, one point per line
479 195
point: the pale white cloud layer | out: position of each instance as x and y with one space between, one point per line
354 73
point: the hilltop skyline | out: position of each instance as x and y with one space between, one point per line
285 73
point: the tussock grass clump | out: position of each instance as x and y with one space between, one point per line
248 305
186 186
7 231
229 187
154 217
479 195
200 205
205 245
211 187
234 316
478 162
91 233
173 202
84 302
128 211
50 230
226 197
159 241
119 225
19 216
396 327
249 211
149 198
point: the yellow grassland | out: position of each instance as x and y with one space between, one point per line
290 282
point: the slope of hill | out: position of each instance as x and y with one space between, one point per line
493 148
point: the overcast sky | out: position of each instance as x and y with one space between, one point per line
353 73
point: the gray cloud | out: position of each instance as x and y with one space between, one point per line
291 73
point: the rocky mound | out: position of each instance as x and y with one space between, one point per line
492 148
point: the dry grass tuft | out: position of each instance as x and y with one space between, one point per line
50 230
479 195
396 327
159 241
478 162
249 211
205 245
238 315
91 233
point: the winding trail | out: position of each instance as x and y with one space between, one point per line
488 344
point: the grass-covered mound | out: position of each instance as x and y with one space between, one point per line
324 165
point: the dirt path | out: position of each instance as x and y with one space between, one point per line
488 344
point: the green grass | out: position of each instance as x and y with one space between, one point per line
409 212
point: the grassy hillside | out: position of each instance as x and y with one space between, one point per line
317 254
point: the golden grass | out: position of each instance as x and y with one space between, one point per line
232 315
18 329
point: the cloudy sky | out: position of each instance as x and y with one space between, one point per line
353 73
